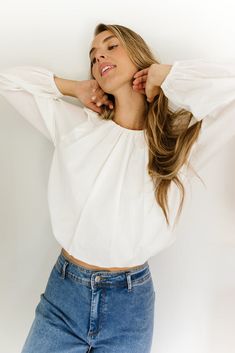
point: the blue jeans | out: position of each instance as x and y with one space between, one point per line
93 311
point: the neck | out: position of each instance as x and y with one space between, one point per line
130 109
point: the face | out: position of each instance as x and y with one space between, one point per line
111 51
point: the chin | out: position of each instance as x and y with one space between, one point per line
107 90
113 85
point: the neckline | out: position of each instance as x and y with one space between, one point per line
111 122
125 128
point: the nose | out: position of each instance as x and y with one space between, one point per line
100 56
100 53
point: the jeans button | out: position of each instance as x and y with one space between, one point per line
97 279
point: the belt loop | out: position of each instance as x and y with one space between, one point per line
128 277
64 269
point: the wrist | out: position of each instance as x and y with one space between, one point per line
66 87
77 88
160 73
164 71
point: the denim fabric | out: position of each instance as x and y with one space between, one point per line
93 311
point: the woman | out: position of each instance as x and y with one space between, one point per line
118 166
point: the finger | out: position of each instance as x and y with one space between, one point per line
101 96
104 101
94 107
109 104
141 72
140 79
98 101
139 85
139 89
96 94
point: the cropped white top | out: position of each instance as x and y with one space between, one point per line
101 198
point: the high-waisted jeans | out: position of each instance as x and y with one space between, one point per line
84 310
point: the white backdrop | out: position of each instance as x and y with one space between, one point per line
194 278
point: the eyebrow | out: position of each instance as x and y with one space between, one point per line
104 40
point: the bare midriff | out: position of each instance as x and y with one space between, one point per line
91 267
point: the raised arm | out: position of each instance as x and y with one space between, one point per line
207 89
67 87
88 92
34 94
200 86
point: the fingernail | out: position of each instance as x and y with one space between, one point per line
94 97
99 104
111 106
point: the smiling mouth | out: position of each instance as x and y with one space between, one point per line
107 71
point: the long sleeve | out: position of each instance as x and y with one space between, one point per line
207 89
32 91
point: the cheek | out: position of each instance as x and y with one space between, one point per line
94 74
95 71
127 67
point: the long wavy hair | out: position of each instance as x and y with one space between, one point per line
167 132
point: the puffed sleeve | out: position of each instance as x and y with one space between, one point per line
32 91
207 89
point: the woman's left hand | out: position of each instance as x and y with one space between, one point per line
149 80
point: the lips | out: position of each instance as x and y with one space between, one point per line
106 71
105 64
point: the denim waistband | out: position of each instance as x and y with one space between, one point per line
102 278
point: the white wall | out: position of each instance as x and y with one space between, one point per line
194 278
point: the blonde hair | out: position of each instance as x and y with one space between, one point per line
167 133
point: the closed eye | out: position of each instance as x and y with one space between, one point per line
109 48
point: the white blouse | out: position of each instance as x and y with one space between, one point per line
101 198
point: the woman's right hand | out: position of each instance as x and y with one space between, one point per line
91 95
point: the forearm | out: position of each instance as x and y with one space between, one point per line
66 87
